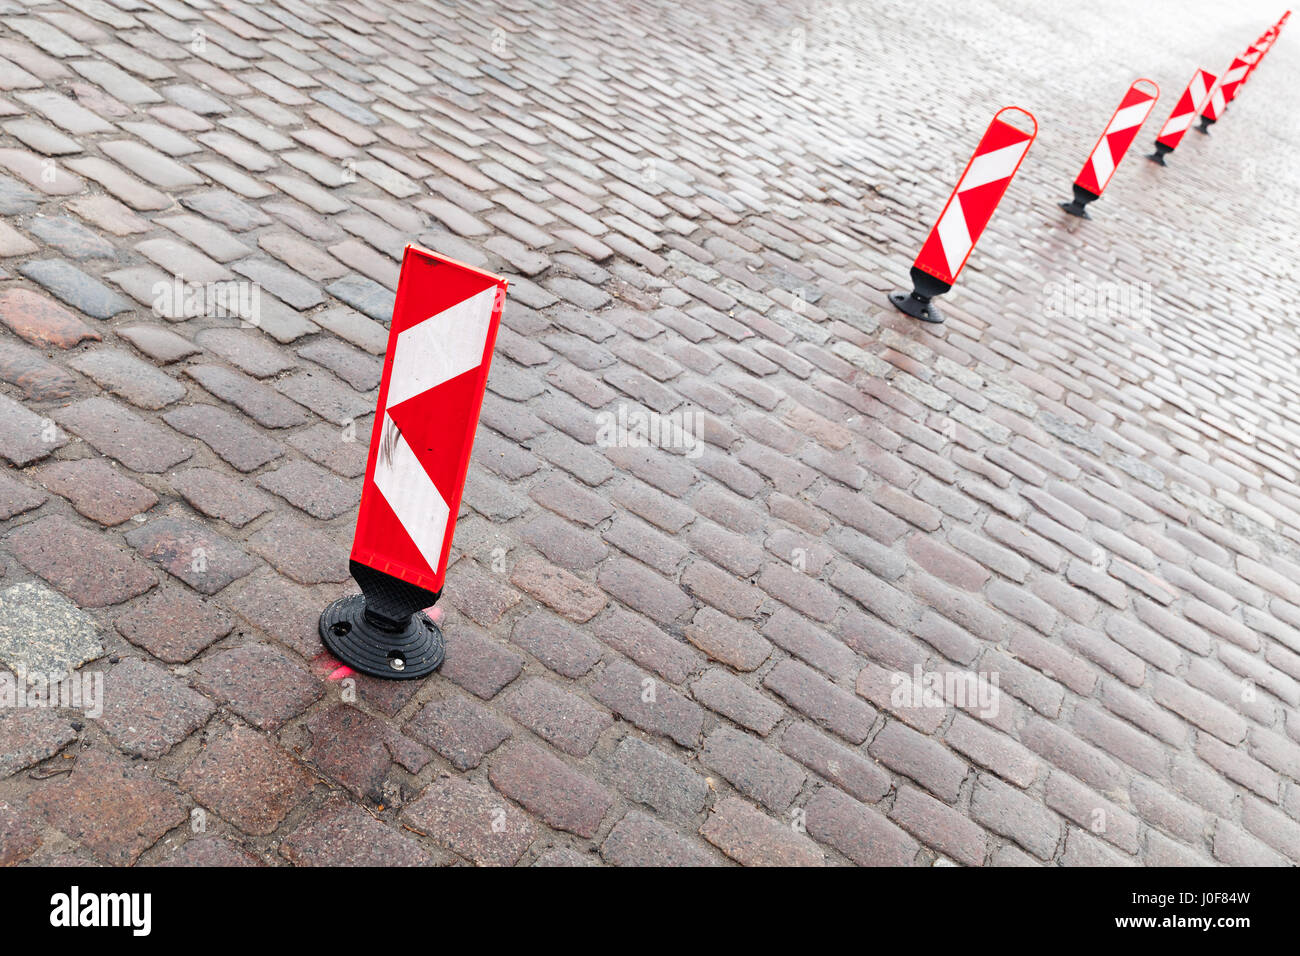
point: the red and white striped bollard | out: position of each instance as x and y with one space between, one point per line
970 207
1185 110
440 344
1113 143
1223 93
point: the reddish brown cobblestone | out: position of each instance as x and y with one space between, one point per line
112 808
92 571
548 787
341 834
751 838
472 821
247 779
147 711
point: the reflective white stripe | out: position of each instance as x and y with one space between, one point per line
441 347
954 237
416 501
1129 116
992 166
1178 123
1102 164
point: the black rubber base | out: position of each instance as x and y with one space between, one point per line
918 307
1078 205
416 651
1205 125
1159 155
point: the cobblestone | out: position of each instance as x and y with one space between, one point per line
752 838
341 834
97 490
545 785
92 571
116 431
246 779
114 809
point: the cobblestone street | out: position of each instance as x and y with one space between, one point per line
1081 487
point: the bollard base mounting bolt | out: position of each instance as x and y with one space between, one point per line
383 631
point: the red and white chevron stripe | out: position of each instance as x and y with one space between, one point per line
1116 138
444 325
1252 60
1233 78
977 194
1213 108
1254 53
1262 45
1185 110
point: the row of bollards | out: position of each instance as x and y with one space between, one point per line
1003 146
444 325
